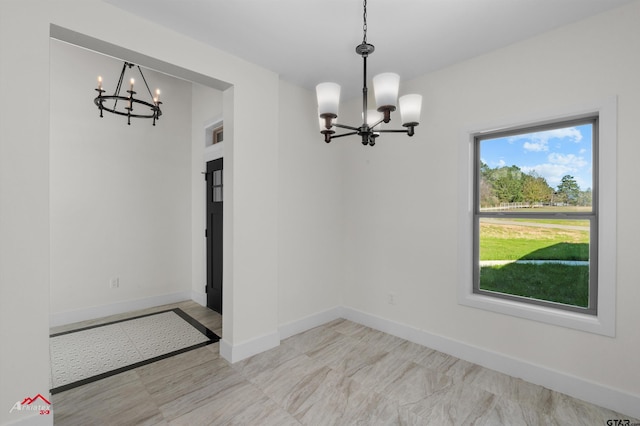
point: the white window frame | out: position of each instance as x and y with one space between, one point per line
602 323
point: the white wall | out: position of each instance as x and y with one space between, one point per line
24 206
119 194
402 205
311 211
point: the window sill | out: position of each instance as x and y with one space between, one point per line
574 320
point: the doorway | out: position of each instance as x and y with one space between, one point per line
214 234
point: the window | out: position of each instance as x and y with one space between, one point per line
216 187
214 133
537 219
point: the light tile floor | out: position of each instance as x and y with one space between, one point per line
340 373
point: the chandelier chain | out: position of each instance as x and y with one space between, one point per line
145 82
364 24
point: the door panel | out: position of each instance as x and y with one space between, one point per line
214 234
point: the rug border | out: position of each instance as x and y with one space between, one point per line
213 338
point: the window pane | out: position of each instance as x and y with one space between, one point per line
543 259
217 194
217 177
549 168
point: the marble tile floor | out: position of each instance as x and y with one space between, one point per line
341 373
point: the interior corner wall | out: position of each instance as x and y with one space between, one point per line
120 194
401 198
310 213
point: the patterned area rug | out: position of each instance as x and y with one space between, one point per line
93 353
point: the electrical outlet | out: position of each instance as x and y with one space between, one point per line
392 298
114 283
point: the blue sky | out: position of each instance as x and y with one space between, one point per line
551 153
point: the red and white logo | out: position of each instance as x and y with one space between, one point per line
38 403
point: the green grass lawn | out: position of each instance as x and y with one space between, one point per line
558 283
512 242
553 282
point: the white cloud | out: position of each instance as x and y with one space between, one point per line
571 133
535 146
539 141
568 160
559 165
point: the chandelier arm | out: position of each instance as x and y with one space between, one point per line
376 123
410 130
344 134
343 126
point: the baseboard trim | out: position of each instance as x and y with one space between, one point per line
69 317
199 298
238 352
613 399
294 327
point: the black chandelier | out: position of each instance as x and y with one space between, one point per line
385 88
126 103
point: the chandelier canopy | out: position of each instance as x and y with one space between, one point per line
124 105
385 88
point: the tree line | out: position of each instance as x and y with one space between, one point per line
512 185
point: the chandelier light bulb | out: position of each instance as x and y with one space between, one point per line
132 81
410 109
385 88
99 82
328 98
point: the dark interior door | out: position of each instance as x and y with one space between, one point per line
214 234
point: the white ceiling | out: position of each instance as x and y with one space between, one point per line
310 41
